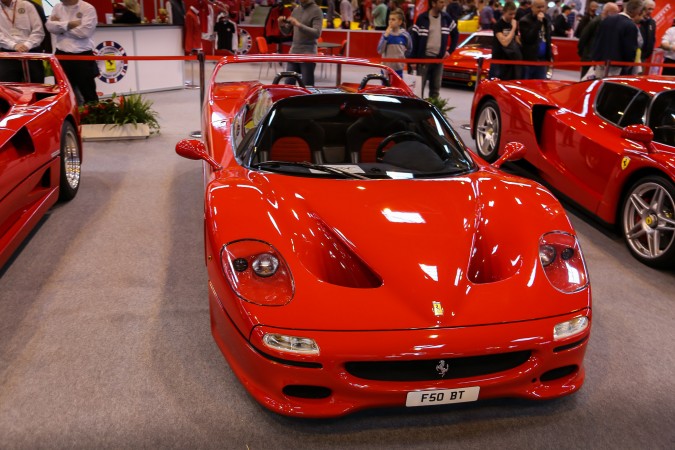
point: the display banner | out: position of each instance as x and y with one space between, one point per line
663 15
420 7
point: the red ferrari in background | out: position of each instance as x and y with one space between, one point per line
358 256
40 146
608 145
461 65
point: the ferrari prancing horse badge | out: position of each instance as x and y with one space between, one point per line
624 162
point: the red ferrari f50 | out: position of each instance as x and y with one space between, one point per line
40 146
359 257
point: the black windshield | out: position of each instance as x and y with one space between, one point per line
377 136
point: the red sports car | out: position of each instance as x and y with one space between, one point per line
461 65
40 146
608 145
359 257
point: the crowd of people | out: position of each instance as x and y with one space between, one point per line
605 33
621 34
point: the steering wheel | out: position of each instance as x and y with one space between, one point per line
374 76
397 137
295 75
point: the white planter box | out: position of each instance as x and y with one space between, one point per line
107 132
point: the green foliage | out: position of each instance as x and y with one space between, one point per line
120 111
441 104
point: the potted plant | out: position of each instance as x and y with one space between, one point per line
119 117
441 104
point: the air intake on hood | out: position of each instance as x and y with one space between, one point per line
332 260
4 108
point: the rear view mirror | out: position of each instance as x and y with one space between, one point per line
638 133
195 149
513 151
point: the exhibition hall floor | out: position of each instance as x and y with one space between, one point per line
105 339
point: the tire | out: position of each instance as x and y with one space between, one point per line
71 161
648 221
488 131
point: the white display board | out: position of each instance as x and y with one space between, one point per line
123 77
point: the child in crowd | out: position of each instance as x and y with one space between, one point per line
395 42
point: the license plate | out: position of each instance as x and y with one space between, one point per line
442 396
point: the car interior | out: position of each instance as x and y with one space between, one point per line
355 129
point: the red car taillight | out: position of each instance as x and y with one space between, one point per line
257 273
562 261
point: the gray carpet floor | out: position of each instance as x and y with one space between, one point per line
105 341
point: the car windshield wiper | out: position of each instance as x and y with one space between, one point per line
308 165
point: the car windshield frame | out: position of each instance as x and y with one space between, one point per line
333 129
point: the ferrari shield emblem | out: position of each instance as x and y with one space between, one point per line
624 162
438 309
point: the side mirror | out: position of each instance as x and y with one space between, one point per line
513 151
195 149
638 133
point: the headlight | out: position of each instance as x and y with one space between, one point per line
257 273
570 328
563 264
292 344
265 265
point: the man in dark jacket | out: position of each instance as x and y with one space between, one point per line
560 25
617 38
648 31
432 32
535 40
586 42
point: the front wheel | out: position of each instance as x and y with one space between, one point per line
71 161
488 128
648 221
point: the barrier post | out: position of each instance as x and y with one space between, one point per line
479 70
606 72
200 59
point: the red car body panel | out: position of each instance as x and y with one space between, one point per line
495 294
573 149
31 117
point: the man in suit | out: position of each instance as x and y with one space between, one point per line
586 42
617 38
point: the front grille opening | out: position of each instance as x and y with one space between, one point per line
305 391
569 346
560 372
437 369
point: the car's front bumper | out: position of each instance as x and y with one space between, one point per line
326 388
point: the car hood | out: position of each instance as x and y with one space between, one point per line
468 244
470 53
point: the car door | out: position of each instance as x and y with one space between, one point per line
588 148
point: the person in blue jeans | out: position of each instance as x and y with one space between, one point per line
535 40
305 23
434 36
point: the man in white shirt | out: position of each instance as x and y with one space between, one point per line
20 31
72 23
